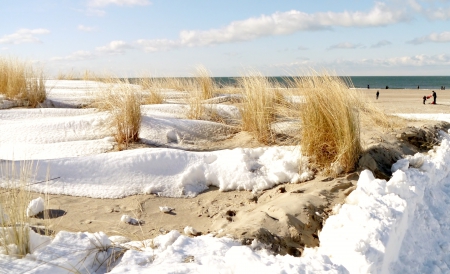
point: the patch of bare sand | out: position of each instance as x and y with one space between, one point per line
286 218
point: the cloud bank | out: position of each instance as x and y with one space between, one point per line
23 36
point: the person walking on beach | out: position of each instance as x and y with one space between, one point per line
424 99
434 97
378 94
368 86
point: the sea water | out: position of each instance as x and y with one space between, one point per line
375 82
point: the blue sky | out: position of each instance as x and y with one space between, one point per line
172 37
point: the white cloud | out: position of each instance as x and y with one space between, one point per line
86 28
296 64
157 44
416 60
104 3
346 45
302 48
443 37
80 55
281 23
23 36
380 44
115 47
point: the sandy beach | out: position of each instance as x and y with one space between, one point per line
409 100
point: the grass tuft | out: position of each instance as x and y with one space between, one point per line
204 82
330 133
20 81
152 86
14 222
123 101
258 106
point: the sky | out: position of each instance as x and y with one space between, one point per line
131 38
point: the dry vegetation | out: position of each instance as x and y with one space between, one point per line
151 85
330 132
86 75
20 81
14 222
258 107
123 101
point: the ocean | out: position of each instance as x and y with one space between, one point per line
375 82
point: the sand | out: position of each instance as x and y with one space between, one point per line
409 100
288 217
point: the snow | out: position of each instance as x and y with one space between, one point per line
396 226
130 220
35 207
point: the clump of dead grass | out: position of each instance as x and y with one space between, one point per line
15 180
204 82
258 106
123 101
202 89
152 86
330 132
21 81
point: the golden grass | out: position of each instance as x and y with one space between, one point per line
20 81
330 133
258 106
14 222
154 91
123 101
70 75
205 83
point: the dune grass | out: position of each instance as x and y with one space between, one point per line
258 106
21 81
152 90
205 84
330 132
123 101
14 222
202 88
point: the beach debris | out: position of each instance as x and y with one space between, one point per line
166 209
35 207
130 220
189 230
281 189
189 259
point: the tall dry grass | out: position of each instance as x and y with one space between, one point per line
152 90
202 88
330 132
258 106
16 180
123 101
205 84
21 81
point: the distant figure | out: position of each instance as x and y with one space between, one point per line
424 99
378 94
434 98
387 87
368 86
417 87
